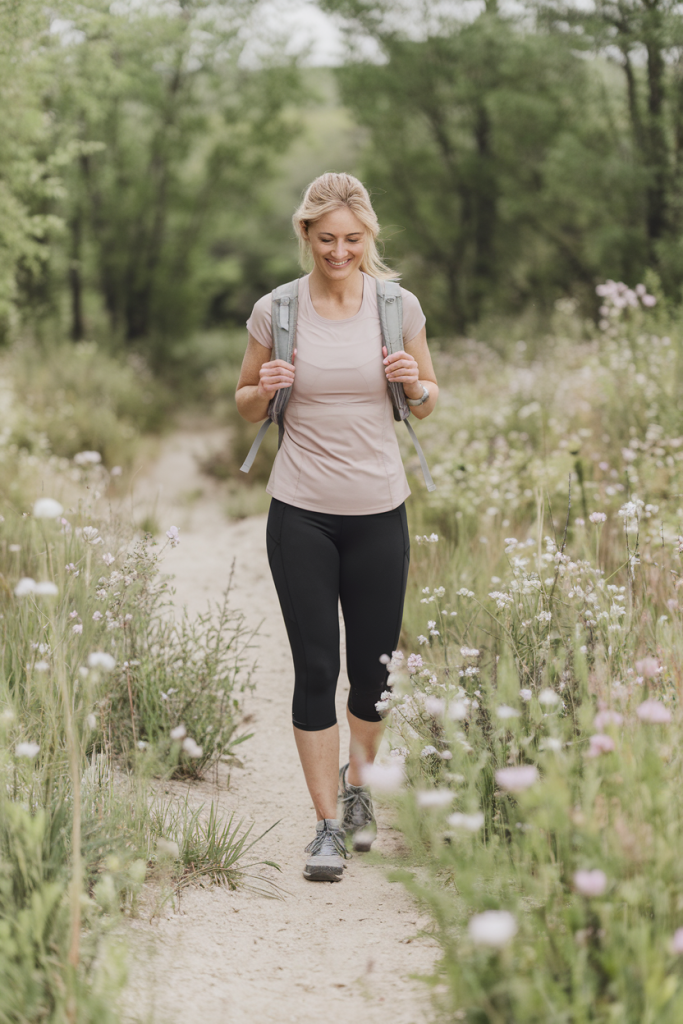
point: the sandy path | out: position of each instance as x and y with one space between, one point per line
327 951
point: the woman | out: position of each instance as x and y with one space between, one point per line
337 526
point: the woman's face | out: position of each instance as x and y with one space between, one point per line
337 243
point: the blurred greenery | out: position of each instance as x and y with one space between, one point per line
149 165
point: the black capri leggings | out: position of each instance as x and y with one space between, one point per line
316 560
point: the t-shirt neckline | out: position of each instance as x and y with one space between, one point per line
326 320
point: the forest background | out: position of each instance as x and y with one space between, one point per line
152 152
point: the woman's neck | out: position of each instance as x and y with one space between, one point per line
329 296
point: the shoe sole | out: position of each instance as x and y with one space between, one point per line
324 874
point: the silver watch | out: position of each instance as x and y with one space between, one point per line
419 401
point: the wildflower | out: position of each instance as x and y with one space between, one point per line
464 592
676 945
517 778
87 458
654 712
434 797
108 559
25 586
648 667
91 721
600 744
549 698
422 640
77 628
91 535
504 711
551 743
173 535
579 521
72 568
525 694
607 717
469 652
46 588
178 733
191 748
435 706
47 508
142 744
14 548
414 662
383 778
28 750
42 666
446 755
100 659
428 751
116 471
168 848
470 822
457 710
544 617
492 928
96 616
590 883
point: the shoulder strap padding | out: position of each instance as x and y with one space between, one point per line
284 312
390 308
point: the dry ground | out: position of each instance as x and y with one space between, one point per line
344 951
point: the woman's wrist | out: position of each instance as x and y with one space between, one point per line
413 391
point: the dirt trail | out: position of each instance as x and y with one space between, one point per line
327 951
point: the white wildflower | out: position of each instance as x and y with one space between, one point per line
87 458
178 733
434 797
469 822
25 586
47 508
100 659
27 750
492 928
191 748
383 778
504 711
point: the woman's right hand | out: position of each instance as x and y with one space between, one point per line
275 375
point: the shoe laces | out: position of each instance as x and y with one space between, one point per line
354 797
328 842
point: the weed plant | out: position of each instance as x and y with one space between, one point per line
101 690
536 712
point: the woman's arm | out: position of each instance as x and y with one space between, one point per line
413 368
260 378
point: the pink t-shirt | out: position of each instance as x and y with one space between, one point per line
339 453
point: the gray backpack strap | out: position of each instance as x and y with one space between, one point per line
284 312
390 309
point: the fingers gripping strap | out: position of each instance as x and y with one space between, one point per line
249 461
431 486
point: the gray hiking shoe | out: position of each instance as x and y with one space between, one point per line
326 853
358 820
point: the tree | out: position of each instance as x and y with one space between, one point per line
174 138
498 153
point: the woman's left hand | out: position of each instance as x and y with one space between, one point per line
400 367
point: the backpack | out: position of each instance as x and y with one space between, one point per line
284 316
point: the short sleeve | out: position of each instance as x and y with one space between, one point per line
413 317
259 323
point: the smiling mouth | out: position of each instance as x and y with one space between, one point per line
334 263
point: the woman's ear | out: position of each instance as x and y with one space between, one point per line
304 229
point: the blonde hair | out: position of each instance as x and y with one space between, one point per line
331 192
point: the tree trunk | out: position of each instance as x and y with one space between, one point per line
75 281
657 143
